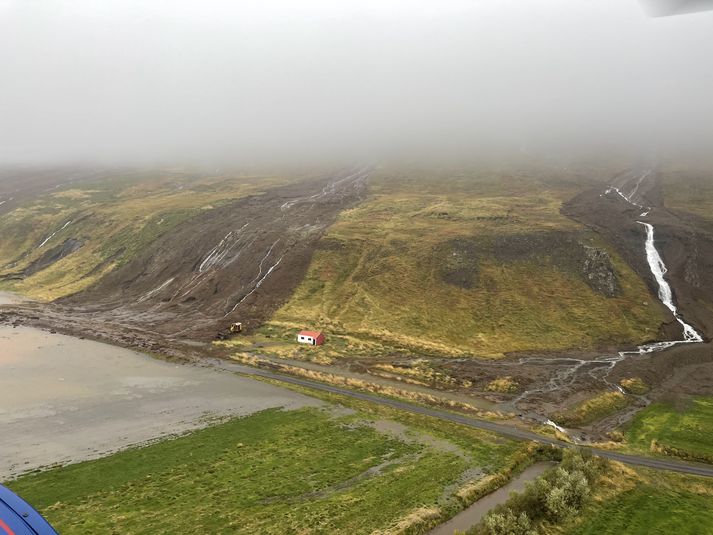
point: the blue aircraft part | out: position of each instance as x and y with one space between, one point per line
17 517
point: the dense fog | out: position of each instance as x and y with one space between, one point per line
158 81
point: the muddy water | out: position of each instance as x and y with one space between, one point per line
472 515
63 399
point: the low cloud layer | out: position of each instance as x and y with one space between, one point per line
222 81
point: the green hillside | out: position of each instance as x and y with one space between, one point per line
467 262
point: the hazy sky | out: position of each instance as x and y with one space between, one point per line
210 80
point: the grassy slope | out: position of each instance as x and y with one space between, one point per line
114 218
689 189
273 472
648 502
376 276
682 432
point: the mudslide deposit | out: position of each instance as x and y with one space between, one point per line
237 262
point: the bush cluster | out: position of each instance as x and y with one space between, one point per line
553 497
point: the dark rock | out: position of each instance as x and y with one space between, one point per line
567 252
458 262
599 271
53 255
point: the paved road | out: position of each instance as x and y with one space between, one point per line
502 429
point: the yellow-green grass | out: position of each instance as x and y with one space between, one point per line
592 409
114 218
275 472
689 189
376 274
685 431
645 502
502 384
634 385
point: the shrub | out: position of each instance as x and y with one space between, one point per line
508 523
555 495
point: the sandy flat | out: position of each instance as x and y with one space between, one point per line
63 399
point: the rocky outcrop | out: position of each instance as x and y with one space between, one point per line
569 252
599 271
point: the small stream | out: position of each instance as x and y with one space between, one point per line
472 515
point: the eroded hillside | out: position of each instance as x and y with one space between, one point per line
171 255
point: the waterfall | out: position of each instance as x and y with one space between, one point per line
658 269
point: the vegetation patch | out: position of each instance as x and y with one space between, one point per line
643 502
504 385
419 371
634 385
684 432
553 498
593 409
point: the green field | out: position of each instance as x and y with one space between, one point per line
305 471
113 218
652 503
470 262
683 431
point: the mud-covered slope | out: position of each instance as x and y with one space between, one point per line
685 241
18 184
238 262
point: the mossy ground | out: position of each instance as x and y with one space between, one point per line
689 189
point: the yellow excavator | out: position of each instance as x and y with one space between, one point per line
236 328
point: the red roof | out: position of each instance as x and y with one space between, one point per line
313 334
